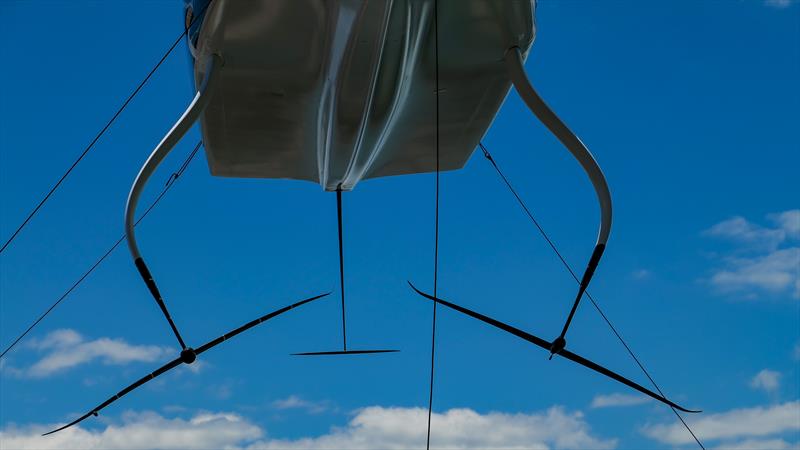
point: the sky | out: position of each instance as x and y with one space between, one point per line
691 109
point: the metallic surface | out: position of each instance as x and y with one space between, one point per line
206 88
343 90
516 70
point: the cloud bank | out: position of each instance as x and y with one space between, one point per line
372 427
145 430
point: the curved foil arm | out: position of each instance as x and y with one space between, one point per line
516 72
192 354
547 345
166 145
189 117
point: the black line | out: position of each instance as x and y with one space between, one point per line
571 272
169 184
436 220
641 366
341 262
344 352
103 130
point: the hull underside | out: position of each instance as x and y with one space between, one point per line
339 91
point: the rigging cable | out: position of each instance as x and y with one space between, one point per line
552 245
436 220
341 262
168 185
102 130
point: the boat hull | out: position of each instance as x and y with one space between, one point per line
339 91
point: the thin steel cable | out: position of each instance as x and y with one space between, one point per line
341 263
436 222
489 157
168 185
102 131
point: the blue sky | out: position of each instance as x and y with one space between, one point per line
691 109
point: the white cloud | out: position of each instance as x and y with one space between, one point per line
196 367
372 427
776 272
141 431
767 380
738 229
759 444
779 4
57 339
735 424
786 226
772 263
401 428
788 221
220 391
641 274
67 348
614 400
295 402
